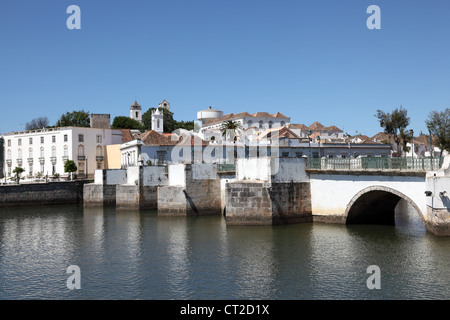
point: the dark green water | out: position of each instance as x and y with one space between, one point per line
138 255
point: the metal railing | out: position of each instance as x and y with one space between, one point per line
376 163
226 167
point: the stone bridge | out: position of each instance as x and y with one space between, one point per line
269 191
337 196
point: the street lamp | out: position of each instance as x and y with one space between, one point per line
309 142
412 147
320 153
431 148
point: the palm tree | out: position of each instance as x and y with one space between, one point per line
229 129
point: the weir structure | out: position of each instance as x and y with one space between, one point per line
272 190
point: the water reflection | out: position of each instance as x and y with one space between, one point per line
138 255
173 235
251 253
36 247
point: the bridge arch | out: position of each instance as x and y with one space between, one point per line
376 205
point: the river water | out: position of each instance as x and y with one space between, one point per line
138 255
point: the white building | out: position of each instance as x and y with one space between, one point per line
136 111
258 122
158 121
46 150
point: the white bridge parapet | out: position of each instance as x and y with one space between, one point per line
332 194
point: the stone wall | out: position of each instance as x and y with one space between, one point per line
98 195
196 191
264 203
41 194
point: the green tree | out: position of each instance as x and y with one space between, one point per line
70 167
74 119
18 171
395 124
230 128
169 124
439 125
187 125
122 122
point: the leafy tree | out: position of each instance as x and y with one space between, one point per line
169 124
229 129
395 124
187 125
439 125
18 171
122 122
70 167
37 123
74 119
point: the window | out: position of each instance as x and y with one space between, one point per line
298 154
9 155
80 138
99 138
260 124
53 139
31 140
53 152
283 123
270 124
137 114
9 143
42 139
19 142
42 153
19 154
81 151
66 151
65 138
285 154
30 153
157 123
99 151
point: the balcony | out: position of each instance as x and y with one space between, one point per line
65 158
53 160
19 162
8 162
42 160
30 160
99 158
81 158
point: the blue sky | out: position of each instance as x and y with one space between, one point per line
313 60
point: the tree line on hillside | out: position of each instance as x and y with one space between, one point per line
81 118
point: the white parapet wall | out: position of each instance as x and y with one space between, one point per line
154 176
110 177
177 176
271 169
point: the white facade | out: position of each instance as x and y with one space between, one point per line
136 111
257 124
46 150
157 121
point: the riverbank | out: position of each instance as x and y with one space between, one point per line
34 194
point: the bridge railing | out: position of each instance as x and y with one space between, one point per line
375 163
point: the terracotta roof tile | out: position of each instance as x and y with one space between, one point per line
316 126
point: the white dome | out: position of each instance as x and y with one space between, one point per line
208 114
